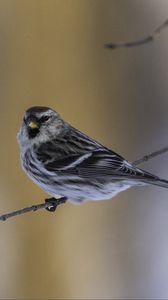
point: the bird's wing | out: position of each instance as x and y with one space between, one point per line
77 154
96 164
103 163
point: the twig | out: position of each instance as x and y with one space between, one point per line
51 204
47 204
150 156
145 40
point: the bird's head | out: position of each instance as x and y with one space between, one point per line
39 125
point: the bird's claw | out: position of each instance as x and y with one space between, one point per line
53 203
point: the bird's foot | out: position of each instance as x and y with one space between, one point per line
54 203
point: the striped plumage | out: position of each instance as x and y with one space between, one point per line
64 161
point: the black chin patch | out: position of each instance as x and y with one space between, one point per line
33 132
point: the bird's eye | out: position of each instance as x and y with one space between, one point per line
44 119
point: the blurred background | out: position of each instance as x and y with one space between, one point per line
52 54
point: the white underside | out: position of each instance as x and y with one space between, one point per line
76 195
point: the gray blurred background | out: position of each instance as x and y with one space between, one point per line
51 53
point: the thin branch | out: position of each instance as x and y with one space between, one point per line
52 203
150 156
49 204
145 40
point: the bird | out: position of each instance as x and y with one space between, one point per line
64 161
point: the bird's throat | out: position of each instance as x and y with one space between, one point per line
33 132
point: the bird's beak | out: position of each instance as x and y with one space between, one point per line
33 125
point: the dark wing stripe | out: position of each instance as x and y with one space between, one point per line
67 163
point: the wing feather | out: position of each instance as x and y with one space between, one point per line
77 154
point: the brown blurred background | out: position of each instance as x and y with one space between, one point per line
51 53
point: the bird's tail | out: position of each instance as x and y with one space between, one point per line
159 182
153 179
